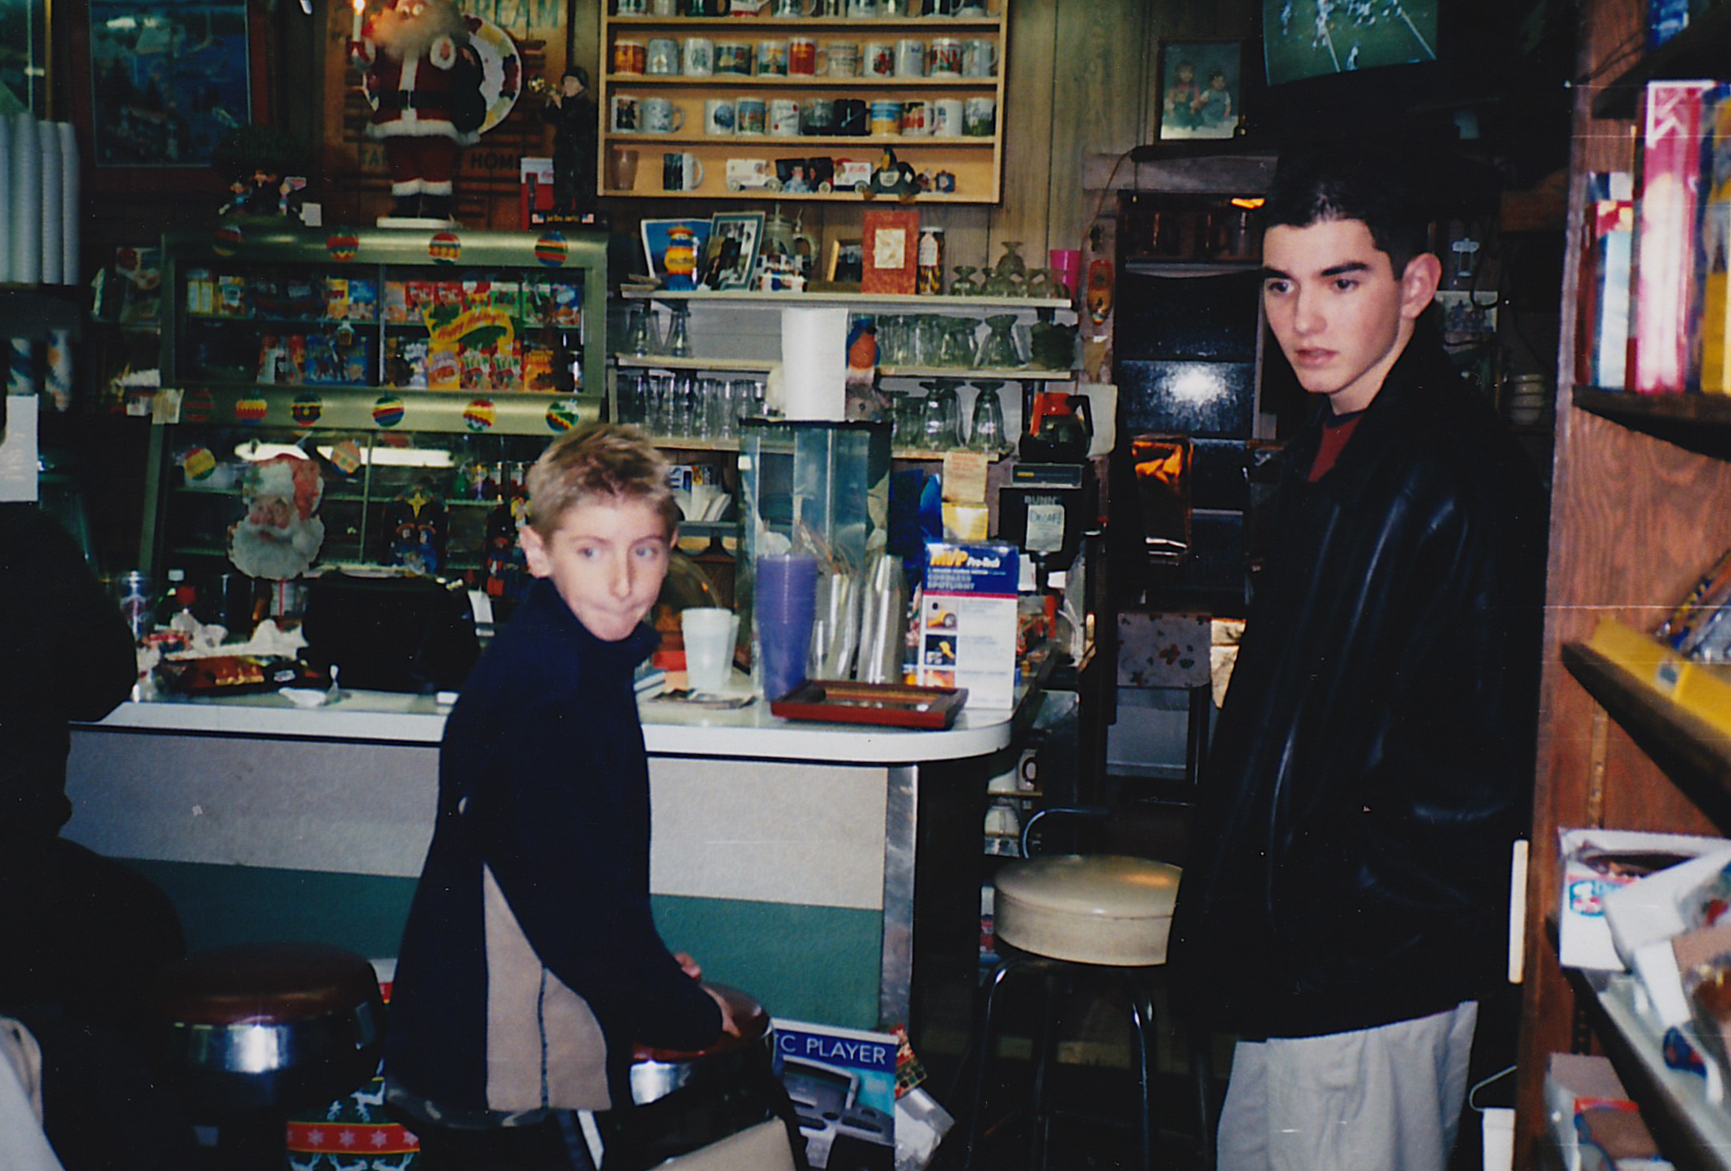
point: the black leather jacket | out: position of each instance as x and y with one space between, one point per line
1373 760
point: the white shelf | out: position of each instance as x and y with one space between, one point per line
931 301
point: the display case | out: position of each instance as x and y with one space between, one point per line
928 86
421 371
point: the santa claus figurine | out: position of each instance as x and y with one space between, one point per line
423 79
280 534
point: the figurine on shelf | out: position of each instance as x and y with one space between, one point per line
423 79
262 164
892 177
571 111
281 533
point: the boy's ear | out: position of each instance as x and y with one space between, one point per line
1418 284
535 551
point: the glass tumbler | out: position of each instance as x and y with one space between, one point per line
715 401
987 430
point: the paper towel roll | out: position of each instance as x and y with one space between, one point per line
5 198
814 363
70 227
48 142
26 217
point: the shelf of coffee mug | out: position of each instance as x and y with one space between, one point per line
915 142
796 81
746 25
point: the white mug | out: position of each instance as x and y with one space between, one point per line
699 56
979 58
633 7
946 117
858 9
663 56
783 117
661 116
910 57
844 59
946 58
666 7
718 116
624 114
878 59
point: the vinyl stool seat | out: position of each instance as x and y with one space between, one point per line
1087 908
1075 920
253 1032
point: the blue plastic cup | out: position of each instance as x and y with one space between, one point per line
784 607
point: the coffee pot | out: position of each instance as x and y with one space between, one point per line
1060 428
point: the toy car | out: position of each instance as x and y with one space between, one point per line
751 174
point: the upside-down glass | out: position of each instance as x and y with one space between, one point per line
987 432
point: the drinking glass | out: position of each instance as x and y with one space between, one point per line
940 417
658 407
678 343
998 349
640 332
630 391
716 402
987 431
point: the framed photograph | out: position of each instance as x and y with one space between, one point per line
846 262
731 253
1201 89
658 234
24 57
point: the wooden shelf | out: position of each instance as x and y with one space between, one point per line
1691 1131
1697 51
866 26
1699 422
1693 752
627 81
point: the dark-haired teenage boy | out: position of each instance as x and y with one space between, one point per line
1345 905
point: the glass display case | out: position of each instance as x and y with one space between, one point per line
420 373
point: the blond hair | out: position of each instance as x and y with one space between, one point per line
598 462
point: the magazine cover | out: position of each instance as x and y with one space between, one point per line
843 1086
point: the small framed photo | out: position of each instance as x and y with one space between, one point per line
731 253
846 262
1201 89
658 234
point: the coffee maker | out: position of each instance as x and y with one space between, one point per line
1052 499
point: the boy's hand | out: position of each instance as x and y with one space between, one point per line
689 965
729 1026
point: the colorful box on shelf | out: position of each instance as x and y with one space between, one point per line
1702 689
1595 862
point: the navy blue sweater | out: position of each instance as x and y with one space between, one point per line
543 798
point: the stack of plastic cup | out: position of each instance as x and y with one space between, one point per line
785 605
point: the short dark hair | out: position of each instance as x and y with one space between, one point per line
1321 184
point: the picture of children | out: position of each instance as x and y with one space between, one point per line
1194 108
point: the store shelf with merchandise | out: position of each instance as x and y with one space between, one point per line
709 86
1641 506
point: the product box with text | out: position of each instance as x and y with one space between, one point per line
967 621
843 1086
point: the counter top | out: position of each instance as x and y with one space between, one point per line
670 728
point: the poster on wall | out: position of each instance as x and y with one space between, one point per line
169 79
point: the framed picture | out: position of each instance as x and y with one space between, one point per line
658 234
24 57
846 261
1201 88
732 249
889 252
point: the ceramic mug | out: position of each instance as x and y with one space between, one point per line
878 59
844 59
946 57
817 116
945 117
629 56
633 7
886 117
980 117
664 7
804 58
681 171
850 117
624 115
979 58
788 8
910 57
663 56
772 58
862 9
699 56
662 116
718 116
749 116
916 117
783 117
733 57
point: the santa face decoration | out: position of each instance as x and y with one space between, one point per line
280 535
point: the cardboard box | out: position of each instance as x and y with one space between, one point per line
1597 861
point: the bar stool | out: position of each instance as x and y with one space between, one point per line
1095 919
251 1033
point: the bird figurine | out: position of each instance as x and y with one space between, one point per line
892 177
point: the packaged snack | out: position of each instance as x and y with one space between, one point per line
396 306
363 299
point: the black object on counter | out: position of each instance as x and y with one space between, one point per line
398 633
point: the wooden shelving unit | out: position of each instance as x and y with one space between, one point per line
976 161
1641 506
